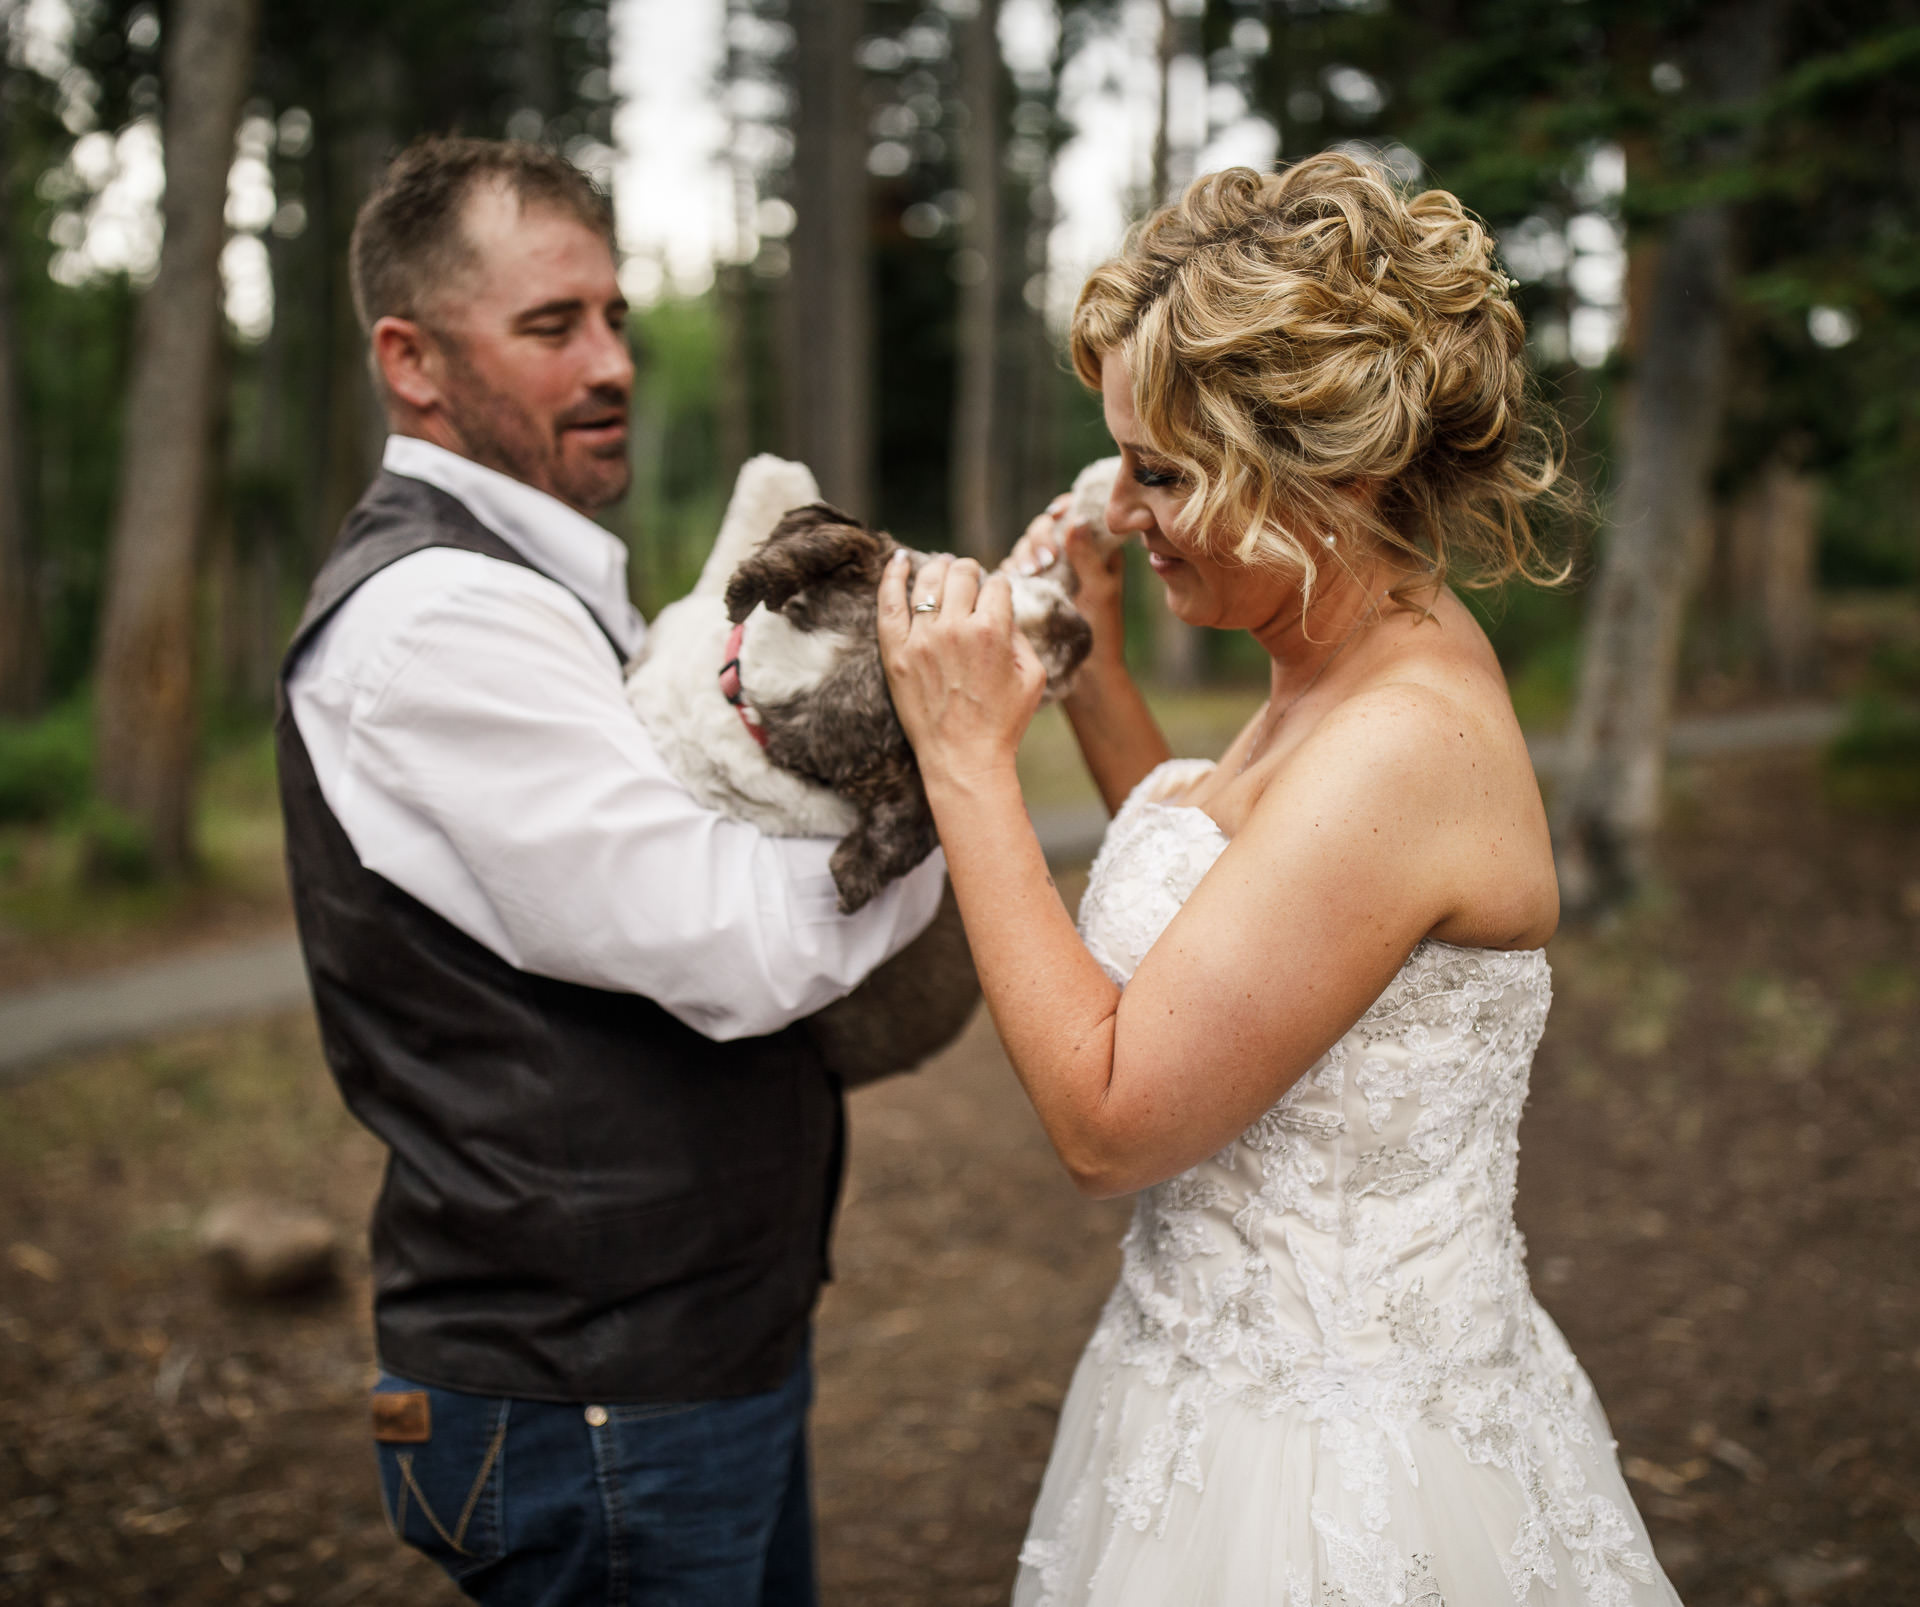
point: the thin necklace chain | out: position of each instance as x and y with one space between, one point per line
1270 723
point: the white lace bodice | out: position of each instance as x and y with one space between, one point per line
1353 1254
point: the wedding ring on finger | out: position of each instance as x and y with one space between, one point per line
927 607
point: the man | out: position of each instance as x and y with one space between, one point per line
560 991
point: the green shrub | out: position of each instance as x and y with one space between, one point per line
46 765
1875 761
1895 667
115 849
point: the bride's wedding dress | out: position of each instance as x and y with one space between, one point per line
1322 1380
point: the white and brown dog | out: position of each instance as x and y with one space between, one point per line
764 692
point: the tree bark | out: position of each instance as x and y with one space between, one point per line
1773 534
1040 382
535 58
978 457
20 656
830 381
1176 644
1608 802
732 291
360 143
144 678
1608 797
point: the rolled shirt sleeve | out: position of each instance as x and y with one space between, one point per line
495 772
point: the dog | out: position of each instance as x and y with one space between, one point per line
763 691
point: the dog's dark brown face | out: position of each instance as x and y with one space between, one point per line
810 667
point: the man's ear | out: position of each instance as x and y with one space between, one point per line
409 364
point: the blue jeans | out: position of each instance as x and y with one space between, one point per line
527 1504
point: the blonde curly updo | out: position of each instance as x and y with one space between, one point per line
1322 356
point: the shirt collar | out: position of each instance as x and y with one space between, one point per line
564 545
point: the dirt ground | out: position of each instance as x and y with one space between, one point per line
1720 1183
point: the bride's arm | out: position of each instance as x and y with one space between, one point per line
1345 864
1118 735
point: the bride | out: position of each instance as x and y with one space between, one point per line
1298 1013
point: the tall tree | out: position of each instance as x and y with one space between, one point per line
144 687
977 473
1608 801
734 400
1176 644
20 658
830 379
537 78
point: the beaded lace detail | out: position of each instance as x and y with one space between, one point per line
1351 1257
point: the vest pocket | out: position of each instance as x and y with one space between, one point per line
442 1491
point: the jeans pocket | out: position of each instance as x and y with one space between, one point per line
441 1474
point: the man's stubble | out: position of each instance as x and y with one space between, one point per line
498 431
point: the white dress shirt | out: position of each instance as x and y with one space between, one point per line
468 730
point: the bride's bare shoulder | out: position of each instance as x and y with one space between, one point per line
1438 670
1430 722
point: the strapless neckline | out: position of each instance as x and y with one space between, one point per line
1140 801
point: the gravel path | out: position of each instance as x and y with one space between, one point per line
232 982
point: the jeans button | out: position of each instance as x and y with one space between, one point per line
596 1417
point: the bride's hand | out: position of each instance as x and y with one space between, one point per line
1099 597
965 683
1039 548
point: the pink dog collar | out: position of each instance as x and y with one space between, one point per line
730 688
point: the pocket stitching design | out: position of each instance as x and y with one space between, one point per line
409 1483
486 1470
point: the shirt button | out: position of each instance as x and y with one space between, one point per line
596 1417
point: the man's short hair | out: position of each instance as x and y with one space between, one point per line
407 239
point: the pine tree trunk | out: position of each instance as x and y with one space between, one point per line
733 403
1773 539
732 289
20 660
359 141
1608 798
144 678
830 380
1041 474
978 459
1176 644
1039 372
536 60
1607 806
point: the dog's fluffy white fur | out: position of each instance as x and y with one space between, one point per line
675 686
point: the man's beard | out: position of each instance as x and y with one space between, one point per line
501 434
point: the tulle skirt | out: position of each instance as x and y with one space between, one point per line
1291 1511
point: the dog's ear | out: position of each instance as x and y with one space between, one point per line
895 831
810 545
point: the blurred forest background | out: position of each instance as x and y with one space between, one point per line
1710 210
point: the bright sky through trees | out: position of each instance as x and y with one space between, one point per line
684 146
